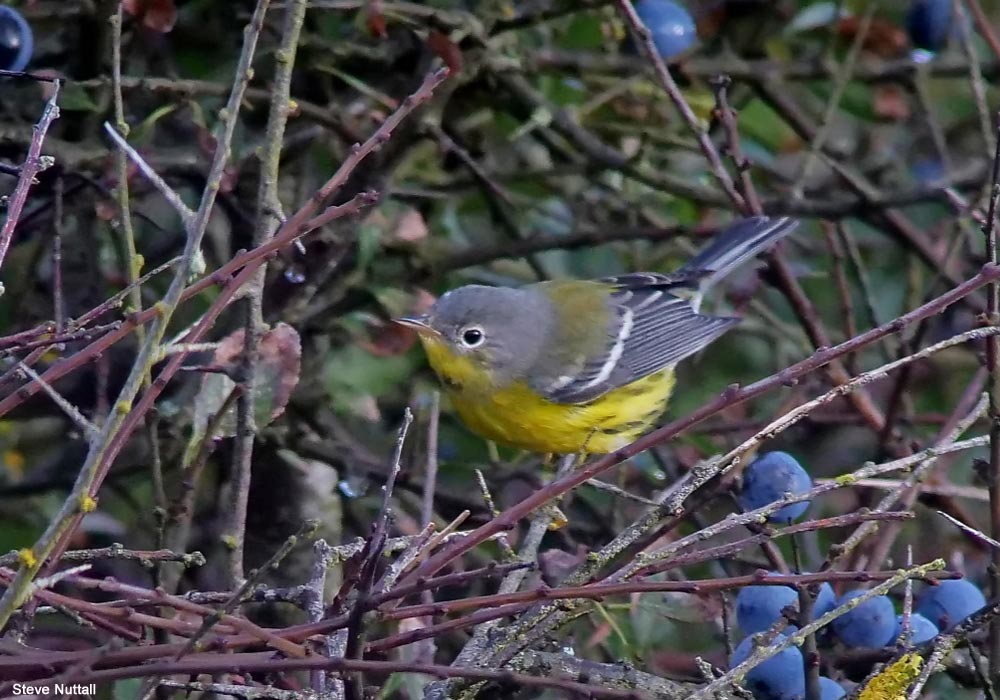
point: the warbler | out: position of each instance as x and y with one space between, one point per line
580 366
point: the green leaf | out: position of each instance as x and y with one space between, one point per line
563 91
74 98
584 32
127 689
353 373
758 121
369 237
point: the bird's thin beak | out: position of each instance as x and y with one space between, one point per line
418 323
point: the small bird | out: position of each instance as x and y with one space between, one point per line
580 366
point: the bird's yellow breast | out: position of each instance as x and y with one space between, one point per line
517 416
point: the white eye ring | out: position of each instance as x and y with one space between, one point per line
472 336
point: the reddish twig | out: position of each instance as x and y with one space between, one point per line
599 591
33 164
370 556
266 663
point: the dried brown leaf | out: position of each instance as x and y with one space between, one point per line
387 339
158 15
889 102
411 227
278 367
445 49
883 39
105 209
376 23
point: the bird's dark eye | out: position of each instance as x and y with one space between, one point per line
472 337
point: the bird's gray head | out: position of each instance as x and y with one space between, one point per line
500 329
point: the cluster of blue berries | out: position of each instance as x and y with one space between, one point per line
948 603
782 677
16 40
871 624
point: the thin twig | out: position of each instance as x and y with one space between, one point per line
992 364
267 221
370 556
79 420
58 229
132 261
33 163
909 489
117 551
185 212
979 535
430 475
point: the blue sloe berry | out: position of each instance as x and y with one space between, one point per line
781 677
950 602
825 601
671 26
871 624
769 478
16 40
921 629
830 689
759 607
929 23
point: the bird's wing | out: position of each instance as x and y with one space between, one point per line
646 327
652 320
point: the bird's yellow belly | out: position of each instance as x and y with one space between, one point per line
517 417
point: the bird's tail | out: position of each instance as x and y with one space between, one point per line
736 245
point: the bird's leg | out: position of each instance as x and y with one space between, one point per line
558 519
494 453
